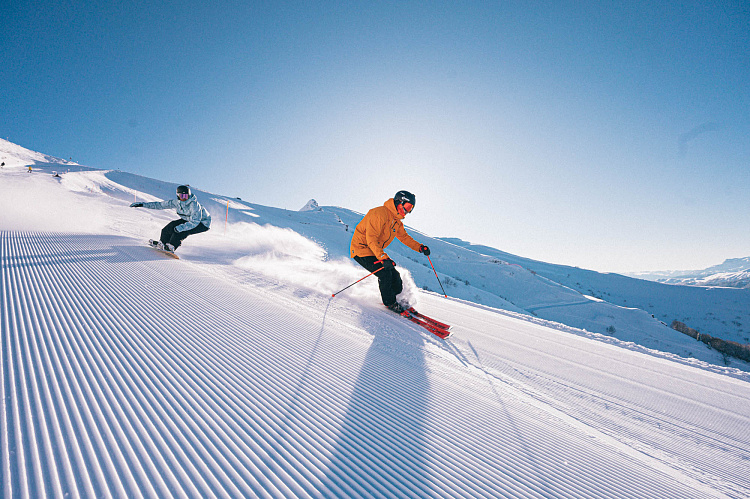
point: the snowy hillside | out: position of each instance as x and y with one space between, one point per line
724 313
14 156
233 373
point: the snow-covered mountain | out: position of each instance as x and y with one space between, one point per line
233 372
733 273
14 156
311 205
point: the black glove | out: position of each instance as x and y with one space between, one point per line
136 205
424 249
387 263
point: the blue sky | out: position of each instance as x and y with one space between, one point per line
606 135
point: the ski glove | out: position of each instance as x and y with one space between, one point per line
424 249
387 263
136 205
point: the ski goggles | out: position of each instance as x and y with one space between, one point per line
408 207
183 196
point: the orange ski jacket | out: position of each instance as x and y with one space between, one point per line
377 230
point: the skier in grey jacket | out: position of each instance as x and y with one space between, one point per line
194 218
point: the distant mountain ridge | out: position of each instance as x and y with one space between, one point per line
732 273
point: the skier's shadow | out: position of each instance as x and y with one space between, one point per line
382 449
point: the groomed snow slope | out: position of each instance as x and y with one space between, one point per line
232 373
125 373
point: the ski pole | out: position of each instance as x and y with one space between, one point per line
352 284
436 276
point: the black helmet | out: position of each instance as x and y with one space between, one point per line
183 189
402 197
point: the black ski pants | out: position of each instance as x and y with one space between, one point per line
389 279
168 235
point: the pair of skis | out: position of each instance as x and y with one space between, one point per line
439 329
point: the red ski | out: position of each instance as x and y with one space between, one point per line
437 323
435 327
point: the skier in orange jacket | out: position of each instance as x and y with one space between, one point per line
374 233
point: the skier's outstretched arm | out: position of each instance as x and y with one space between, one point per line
156 205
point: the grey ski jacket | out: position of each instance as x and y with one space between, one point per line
191 211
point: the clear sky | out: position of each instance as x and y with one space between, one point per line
613 136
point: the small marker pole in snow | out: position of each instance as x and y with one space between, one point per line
352 284
436 276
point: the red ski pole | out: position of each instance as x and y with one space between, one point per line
436 276
352 284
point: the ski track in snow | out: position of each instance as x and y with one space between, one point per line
127 374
